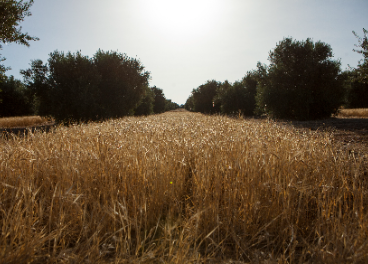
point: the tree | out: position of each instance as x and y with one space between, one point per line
14 98
73 87
11 14
204 98
301 81
238 97
74 81
39 90
356 90
170 105
123 83
146 105
189 104
357 79
160 100
362 70
250 82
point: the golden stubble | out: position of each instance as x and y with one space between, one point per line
22 121
181 187
354 112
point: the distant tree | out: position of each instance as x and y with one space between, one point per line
362 69
39 90
11 14
170 105
240 96
250 82
233 98
160 100
224 96
204 98
301 82
189 104
14 99
358 96
356 90
146 105
356 80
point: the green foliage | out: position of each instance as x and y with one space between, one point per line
204 98
73 87
356 90
38 88
123 83
301 82
362 70
73 80
358 96
189 104
356 80
170 105
11 14
14 98
160 100
146 105
238 97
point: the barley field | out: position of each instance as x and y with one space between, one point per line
182 187
354 112
22 121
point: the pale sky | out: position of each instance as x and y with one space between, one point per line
184 43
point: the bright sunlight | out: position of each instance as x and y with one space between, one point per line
182 19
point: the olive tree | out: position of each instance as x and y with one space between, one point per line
302 81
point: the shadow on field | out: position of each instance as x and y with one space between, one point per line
351 132
356 125
22 131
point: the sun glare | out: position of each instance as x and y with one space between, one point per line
182 19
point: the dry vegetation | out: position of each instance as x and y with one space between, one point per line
21 121
182 188
357 112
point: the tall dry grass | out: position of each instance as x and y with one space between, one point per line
21 121
354 112
181 188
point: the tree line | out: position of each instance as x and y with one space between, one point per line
302 82
73 87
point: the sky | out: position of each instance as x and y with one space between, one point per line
184 43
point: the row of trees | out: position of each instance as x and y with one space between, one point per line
301 82
73 87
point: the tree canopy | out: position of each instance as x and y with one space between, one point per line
238 97
301 81
159 100
73 87
11 14
204 97
362 69
14 97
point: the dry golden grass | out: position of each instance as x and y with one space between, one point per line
21 121
357 112
181 188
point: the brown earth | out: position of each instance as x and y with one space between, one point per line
349 134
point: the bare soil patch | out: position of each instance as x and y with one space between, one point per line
349 134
